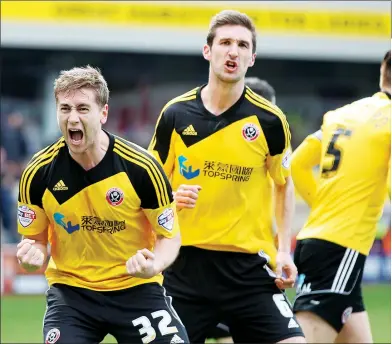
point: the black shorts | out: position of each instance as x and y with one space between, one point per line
220 331
135 315
237 289
329 280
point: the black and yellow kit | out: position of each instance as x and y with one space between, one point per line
96 219
228 236
227 156
353 150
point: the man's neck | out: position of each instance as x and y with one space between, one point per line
94 155
219 96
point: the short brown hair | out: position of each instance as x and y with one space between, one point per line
80 77
386 65
231 17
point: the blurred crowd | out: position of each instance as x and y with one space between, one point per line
14 152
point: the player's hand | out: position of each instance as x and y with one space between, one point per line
285 264
29 256
143 264
186 196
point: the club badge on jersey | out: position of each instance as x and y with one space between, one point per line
250 132
52 336
346 314
115 196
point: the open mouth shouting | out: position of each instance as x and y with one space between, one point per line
231 66
75 136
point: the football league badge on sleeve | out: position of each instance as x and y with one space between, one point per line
26 216
166 219
286 159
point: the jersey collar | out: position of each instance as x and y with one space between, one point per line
230 111
383 95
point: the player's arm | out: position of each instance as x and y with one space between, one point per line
278 164
304 159
161 145
284 212
159 207
32 220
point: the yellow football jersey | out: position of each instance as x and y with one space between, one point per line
355 158
99 218
226 155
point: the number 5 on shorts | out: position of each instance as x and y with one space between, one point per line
283 306
149 331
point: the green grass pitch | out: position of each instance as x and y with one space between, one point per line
21 316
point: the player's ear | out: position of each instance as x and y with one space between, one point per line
104 114
207 52
252 60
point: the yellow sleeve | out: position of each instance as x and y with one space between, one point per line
279 166
32 219
386 120
304 159
161 142
156 200
164 220
389 181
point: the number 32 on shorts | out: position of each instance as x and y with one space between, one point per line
148 331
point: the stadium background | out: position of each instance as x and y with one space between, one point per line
317 56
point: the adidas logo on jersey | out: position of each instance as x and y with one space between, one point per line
189 130
176 339
60 186
292 323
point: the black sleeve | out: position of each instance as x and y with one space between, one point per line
32 185
276 131
163 133
152 185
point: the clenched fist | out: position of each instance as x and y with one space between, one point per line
30 257
143 264
284 263
186 196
